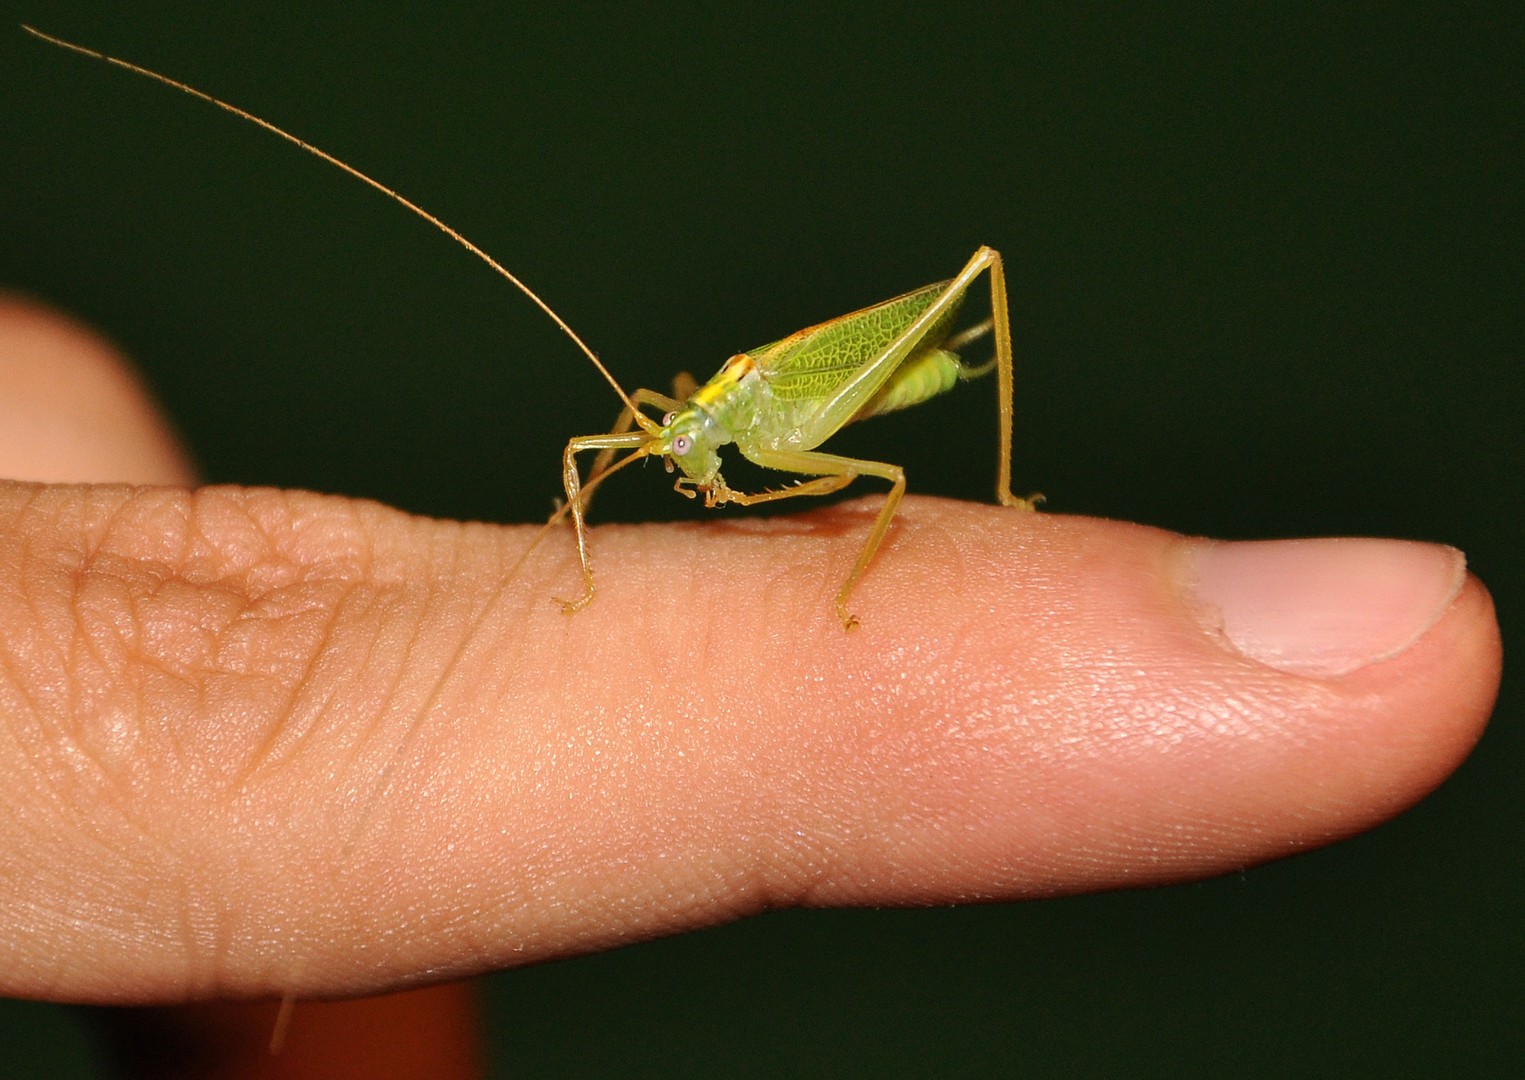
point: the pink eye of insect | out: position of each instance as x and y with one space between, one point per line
667 420
681 445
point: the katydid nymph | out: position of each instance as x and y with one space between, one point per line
777 403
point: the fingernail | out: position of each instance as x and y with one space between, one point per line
1322 607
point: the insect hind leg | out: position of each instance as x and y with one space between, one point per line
989 260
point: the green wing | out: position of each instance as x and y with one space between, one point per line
811 364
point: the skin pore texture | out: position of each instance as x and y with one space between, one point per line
257 741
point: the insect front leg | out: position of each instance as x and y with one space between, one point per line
571 480
832 472
623 423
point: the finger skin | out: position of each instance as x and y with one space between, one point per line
72 409
288 727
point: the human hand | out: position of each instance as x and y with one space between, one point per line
251 734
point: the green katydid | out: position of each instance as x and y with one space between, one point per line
777 403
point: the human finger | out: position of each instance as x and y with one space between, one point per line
320 746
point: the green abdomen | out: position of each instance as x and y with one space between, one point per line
923 376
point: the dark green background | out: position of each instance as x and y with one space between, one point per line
1266 282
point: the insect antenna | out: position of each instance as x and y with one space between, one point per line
406 203
288 999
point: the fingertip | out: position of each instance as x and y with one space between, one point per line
1454 673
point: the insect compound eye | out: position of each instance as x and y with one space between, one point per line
667 420
682 445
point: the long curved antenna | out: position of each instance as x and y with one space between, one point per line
550 312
